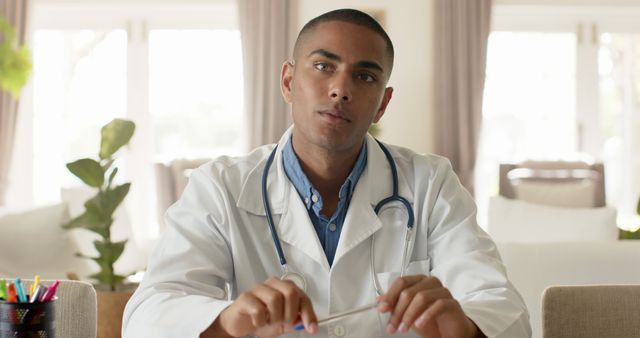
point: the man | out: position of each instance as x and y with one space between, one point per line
322 184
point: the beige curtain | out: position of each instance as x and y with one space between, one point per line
15 12
461 37
265 27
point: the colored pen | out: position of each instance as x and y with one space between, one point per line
51 292
340 315
43 290
22 297
3 289
35 296
36 281
11 294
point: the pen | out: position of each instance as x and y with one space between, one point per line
43 290
3 289
340 315
22 297
11 294
51 292
35 296
36 281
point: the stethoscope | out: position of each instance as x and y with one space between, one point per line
297 278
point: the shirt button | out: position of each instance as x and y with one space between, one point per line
339 330
332 227
306 200
314 198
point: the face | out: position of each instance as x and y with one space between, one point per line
336 86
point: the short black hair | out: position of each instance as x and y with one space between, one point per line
349 15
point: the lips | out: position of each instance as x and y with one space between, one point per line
335 115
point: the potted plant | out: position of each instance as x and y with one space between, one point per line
15 61
624 234
99 174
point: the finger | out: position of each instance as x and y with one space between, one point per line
308 315
438 308
406 297
291 297
390 298
252 307
421 301
272 299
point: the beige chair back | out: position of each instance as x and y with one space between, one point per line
566 182
171 179
597 311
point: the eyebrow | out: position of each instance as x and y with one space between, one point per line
361 64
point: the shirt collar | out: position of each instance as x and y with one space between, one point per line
305 189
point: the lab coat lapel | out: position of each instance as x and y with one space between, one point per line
292 220
374 185
296 229
360 223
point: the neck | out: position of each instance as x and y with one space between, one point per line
326 169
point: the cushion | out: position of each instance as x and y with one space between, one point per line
571 194
523 222
33 242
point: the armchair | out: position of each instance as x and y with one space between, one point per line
591 311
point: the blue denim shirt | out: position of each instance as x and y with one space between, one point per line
328 229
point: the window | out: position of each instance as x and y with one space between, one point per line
196 106
174 69
563 84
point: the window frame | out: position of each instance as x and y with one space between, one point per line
137 19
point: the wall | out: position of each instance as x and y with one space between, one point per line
408 120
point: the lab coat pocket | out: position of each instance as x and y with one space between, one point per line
421 267
386 279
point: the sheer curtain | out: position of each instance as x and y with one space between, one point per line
461 35
15 12
266 30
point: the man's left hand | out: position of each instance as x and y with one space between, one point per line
421 303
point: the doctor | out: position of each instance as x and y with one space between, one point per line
221 270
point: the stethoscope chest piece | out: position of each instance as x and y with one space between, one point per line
296 278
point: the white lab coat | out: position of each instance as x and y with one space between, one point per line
218 234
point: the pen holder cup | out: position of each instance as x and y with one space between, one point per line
27 320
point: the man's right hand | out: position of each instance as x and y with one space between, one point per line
270 309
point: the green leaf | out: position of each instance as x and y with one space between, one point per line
638 208
624 234
115 135
110 252
15 61
112 176
89 171
88 221
111 199
95 208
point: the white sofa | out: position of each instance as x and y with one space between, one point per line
532 267
545 246
33 242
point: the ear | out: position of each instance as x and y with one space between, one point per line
386 97
286 80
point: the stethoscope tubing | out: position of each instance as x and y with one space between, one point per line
267 210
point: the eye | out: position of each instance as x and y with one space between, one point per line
321 66
366 77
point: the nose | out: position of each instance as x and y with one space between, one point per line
340 89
